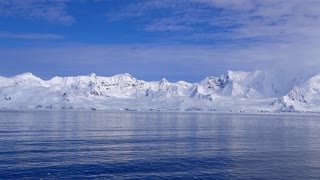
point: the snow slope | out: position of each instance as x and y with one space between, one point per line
233 91
303 98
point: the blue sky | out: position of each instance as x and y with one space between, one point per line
151 39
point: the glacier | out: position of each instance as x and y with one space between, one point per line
234 91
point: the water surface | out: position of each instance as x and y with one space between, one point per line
137 145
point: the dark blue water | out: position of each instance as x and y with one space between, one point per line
108 145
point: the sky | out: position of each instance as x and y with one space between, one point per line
151 39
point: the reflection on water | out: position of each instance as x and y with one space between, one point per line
84 144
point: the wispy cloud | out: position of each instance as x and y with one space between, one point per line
47 10
175 62
254 34
210 36
31 36
280 20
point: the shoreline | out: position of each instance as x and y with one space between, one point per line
226 112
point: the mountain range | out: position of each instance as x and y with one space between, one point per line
234 91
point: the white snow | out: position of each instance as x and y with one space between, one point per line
235 91
304 97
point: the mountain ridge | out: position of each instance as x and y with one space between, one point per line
234 91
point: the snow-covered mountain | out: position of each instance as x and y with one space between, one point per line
233 91
303 97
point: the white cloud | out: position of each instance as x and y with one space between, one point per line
169 61
280 20
47 10
238 35
258 33
29 36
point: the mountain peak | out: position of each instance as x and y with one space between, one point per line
164 80
124 75
27 75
